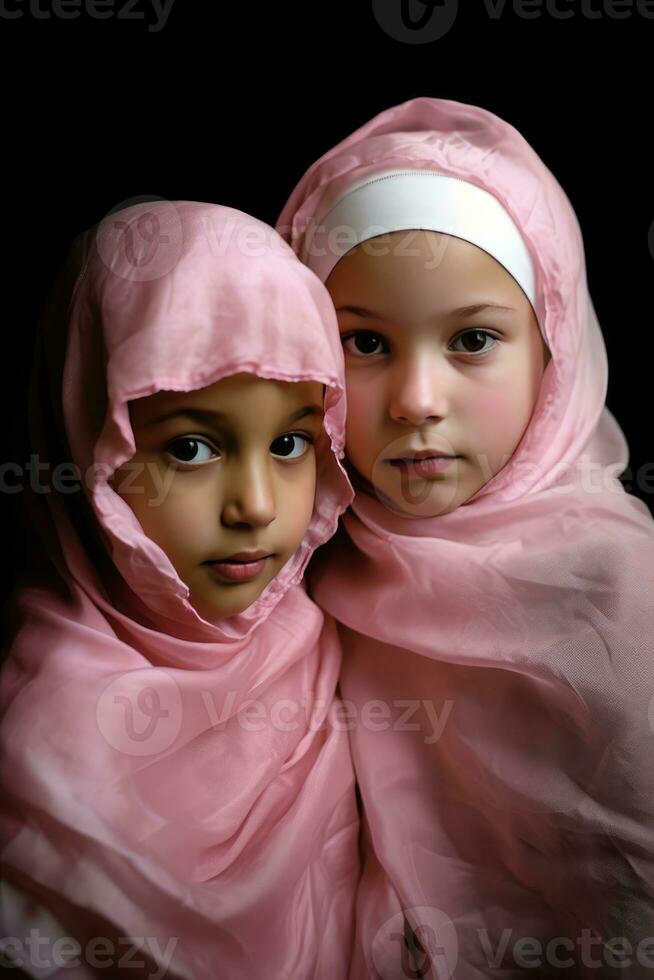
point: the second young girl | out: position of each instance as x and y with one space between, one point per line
176 789
493 579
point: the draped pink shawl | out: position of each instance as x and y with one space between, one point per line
507 770
142 799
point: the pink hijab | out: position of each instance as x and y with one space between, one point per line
506 773
143 797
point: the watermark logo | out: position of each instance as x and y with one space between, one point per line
67 478
156 12
320 240
140 712
420 942
141 239
563 952
391 484
429 489
401 484
44 954
425 21
415 21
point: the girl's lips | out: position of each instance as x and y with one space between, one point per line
427 466
238 571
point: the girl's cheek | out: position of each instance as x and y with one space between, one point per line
302 509
186 527
364 398
500 418
488 403
177 517
362 409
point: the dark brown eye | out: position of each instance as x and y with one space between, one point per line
474 341
362 343
292 445
185 448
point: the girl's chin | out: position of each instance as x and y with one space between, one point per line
213 612
423 505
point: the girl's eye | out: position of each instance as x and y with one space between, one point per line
476 339
292 445
187 450
363 343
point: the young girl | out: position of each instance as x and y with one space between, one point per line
177 788
493 579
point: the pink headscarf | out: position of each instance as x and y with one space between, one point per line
140 794
507 778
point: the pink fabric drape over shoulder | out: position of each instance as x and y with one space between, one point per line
507 772
143 796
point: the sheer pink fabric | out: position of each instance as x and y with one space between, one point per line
141 791
507 772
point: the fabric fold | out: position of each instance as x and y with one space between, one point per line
138 787
506 782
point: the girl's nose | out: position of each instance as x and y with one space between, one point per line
418 391
249 497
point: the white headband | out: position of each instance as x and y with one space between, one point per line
400 200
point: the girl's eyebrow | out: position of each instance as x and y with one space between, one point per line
207 416
460 311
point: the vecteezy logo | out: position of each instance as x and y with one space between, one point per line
415 21
140 712
141 239
419 942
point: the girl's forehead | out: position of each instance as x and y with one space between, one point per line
413 269
231 400
416 250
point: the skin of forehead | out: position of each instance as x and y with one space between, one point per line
442 254
235 389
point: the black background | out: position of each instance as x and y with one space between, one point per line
231 103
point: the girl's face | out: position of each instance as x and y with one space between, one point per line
433 363
228 468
